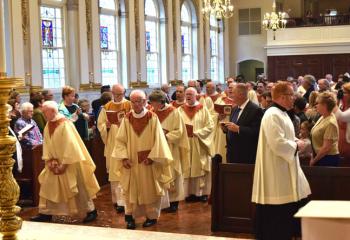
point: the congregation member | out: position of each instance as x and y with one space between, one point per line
260 89
325 133
307 86
305 136
38 115
323 85
108 124
199 127
15 113
300 108
16 96
97 103
175 132
82 124
243 128
252 96
48 95
67 183
223 108
17 155
142 159
70 109
26 128
342 114
311 111
280 187
166 90
265 100
180 96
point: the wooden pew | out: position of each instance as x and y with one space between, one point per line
232 209
28 178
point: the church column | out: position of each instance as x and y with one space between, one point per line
171 41
140 39
33 42
132 41
2 40
226 47
177 40
124 44
95 43
73 66
201 50
83 45
17 38
206 29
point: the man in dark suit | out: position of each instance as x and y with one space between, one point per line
243 128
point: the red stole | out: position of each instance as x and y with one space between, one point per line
139 124
191 110
228 100
162 115
175 104
53 125
214 97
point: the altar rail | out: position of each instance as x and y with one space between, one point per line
232 209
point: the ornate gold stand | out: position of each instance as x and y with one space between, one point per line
9 189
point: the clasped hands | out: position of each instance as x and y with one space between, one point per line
127 163
55 167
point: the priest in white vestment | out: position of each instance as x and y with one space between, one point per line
142 162
108 124
175 132
67 183
280 187
199 126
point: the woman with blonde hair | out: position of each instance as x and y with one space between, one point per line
325 133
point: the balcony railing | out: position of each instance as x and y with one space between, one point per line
343 19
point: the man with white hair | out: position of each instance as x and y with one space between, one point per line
26 128
67 183
199 127
205 101
323 85
108 124
142 160
165 89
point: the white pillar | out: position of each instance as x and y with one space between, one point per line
201 50
170 42
95 42
17 38
142 41
73 66
178 42
34 40
131 36
2 39
226 50
83 44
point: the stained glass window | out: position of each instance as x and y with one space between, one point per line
152 44
214 54
186 42
53 57
109 43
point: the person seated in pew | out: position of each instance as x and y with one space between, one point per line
67 183
26 128
325 133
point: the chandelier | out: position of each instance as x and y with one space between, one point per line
218 8
274 21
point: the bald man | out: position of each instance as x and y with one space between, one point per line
142 160
199 127
108 124
205 101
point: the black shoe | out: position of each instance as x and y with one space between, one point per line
173 207
149 222
90 216
203 198
119 209
191 198
130 222
41 218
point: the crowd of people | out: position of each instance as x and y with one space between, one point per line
159 148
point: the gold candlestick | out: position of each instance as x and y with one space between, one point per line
9 189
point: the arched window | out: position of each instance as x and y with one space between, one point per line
214 49
188 41
152 42
53 44
109 42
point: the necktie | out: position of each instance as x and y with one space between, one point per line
235 114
